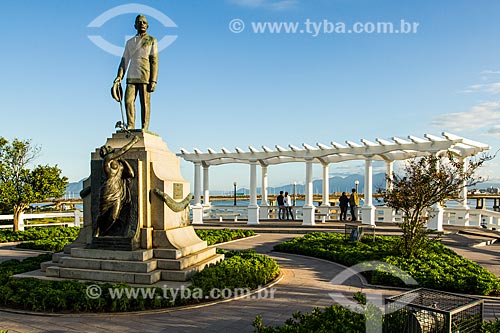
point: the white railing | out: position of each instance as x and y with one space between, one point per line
451 216
24 220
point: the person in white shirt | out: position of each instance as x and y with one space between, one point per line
288 206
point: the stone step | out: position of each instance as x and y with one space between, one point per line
57 256
137 255
178 253
186 273
184 262
44 265
110 265
109 276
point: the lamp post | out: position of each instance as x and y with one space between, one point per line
357 184
234 184
294 192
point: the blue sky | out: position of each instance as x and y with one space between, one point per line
218 88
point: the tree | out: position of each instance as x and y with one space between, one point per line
427 181
20 186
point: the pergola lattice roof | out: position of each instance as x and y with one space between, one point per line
382 150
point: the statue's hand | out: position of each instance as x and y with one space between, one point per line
118 79
151 86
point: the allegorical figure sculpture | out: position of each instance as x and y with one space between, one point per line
140 58
114 192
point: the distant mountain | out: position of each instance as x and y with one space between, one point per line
336 184
73 189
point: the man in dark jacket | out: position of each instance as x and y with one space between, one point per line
343 204
280 200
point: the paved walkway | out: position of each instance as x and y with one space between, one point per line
305 284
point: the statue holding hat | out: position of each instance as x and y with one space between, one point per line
140 61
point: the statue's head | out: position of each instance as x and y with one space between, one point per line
141 23
105 150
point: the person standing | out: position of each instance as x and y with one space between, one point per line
354 203
140 58
288 206
280 201
343 204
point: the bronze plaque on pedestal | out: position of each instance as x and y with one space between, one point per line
178 189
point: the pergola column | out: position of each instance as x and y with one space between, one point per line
206 186
324 209
326 186
253 208
463 217
368 210
308 209
263 201
389 215
437 212
462 203
389 170
197 208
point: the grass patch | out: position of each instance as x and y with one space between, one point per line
437 268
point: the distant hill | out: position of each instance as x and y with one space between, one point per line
336 184
73 189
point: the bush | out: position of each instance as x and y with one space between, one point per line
14 266
51 244
54 239
215 236
240 269
38 233
437 268
244 269
333 319
492 326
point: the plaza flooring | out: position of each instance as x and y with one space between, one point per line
305 284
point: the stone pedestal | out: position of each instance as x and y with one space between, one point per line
308 215
368 215
152 238
436 220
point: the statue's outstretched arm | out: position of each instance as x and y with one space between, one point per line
122 150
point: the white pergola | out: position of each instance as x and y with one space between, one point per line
369 151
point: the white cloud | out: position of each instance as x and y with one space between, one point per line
269 4
494 130
486 72
482 116
492 88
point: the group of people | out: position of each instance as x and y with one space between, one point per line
284 206
284 203
346 202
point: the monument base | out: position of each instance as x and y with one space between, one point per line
134 267
154 240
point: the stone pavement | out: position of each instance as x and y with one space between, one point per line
305 284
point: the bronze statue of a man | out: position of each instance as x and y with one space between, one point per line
141 59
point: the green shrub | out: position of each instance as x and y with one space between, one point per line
437 268
14 266
244 269
240 269
215 236
37 233
333 319
491 326
52 244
